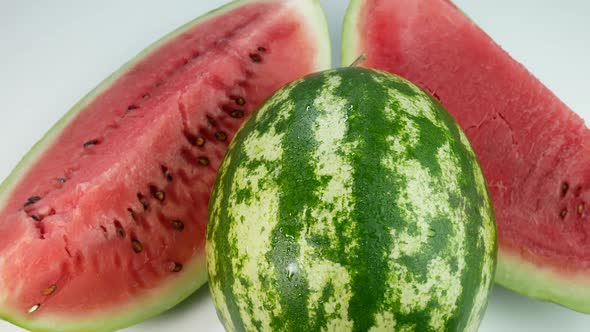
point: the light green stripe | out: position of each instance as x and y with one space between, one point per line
332 211
417 104
423 198
351 41
254 218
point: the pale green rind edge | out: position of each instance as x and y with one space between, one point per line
196 274
543 283
318 21
350 33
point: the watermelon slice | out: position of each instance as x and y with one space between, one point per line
532 147
103 222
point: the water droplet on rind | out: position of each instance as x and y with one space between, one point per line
292 269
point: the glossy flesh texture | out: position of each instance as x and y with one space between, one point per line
533 149
351 201
103 224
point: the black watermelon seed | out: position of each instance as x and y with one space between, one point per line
104 231
143 201
211 121
240 101
237 114
261 49
221 136
137 246
166 173
61 180
132 214
175 267
256 58
563 213
32 200
119 229
564 188
50 290
198 141
132 107
203 161
90 143
178 225
160 195
36 217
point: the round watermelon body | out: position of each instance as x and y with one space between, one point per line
350 201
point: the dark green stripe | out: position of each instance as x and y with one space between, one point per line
297 185
472 199
372 190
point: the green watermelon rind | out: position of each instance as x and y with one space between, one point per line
195 272
543 283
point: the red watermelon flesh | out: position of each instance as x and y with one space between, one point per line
534 150
103 224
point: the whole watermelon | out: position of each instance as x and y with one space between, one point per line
351 201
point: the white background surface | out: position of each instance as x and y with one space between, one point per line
53 52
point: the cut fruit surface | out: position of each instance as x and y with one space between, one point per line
103 222
532 147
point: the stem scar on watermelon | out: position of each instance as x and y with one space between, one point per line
533 149
103 221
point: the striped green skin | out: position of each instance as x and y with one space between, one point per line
350 201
